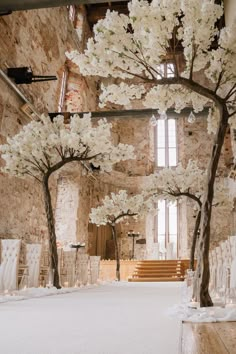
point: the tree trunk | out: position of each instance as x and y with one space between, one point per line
51 231
117 253
194 240
204 244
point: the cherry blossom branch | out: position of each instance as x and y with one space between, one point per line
124 215
231 92
219 80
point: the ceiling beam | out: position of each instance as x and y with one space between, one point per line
132 113
16 5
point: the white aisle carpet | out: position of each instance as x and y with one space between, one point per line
116 318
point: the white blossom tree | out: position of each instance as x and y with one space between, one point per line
179 183
43 147
132 47
117 208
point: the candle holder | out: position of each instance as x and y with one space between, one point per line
77 246
133 234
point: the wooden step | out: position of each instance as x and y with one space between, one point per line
149 269
160 262
156 274
146 266
165 279
163 270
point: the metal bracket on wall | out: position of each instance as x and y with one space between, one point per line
27 108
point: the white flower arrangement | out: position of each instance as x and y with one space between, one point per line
119 207
132 46
179 182
43 145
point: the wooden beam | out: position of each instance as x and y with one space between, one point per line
130 113
16 5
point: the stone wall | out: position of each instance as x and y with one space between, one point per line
196 144
66 209
73 206
38 39
137 132
21 201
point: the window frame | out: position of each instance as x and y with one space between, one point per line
63 88
167 164
166 147
163 68
167 229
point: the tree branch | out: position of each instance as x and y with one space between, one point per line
231 92
231 114
123 215
35 164
66 160
194 52
189 195
219 80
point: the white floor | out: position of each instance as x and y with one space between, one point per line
117 318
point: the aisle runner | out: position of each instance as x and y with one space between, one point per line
117 318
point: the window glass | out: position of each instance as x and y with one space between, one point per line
172 218
167 216
172 157
161 157
167 225
161 217
171 133
166 152
170 72
166 156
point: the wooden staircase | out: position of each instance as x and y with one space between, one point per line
161 270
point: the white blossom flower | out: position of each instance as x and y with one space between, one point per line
41 145
185 182
120 207
131 47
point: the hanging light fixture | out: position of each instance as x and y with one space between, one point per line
191 118
163 115
153 120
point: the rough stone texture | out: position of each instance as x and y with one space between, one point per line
21 203
36 38
66 209
137 132
196 144
39 39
